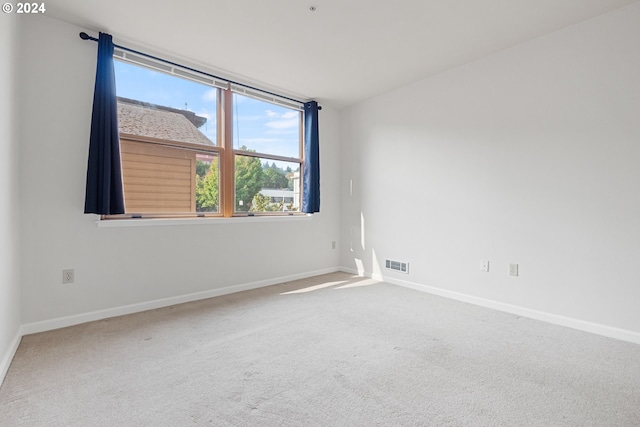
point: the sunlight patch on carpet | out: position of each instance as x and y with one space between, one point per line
314 288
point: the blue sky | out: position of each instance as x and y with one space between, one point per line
259 125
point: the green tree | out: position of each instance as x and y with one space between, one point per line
274 177
208 188
201 168
249 180
262 203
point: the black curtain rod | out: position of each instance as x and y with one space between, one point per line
85 36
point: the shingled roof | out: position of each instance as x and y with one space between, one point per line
156 121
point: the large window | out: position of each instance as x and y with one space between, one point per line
194 149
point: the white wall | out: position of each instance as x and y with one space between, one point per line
530 156
9 202
120 266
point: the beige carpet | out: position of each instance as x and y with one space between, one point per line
333 350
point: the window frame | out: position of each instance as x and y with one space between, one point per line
223 148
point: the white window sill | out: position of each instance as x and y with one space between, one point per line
153 222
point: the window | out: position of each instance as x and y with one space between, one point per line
267 156
190 147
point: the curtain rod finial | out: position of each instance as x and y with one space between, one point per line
84 36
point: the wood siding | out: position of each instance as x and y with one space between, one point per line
158 179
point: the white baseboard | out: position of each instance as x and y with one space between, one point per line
8 356
63 322
582 325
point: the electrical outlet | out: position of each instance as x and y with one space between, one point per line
68 276
513 269
484 265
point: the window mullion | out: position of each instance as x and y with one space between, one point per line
225 136
267 156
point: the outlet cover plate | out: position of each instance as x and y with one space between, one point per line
68 276
513 269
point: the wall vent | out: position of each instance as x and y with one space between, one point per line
402 267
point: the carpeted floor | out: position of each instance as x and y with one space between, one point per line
333 350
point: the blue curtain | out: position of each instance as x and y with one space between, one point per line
104 192
311 167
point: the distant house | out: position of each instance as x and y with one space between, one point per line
159 174
287 197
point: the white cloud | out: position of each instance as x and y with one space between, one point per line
288 131
211 95
242 118
209 115
282 124
286 115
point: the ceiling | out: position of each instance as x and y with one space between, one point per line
343 52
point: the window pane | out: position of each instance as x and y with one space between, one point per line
163 179
207 183
163 121
265 128
165 106
264 185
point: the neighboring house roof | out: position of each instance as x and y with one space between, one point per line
156 121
